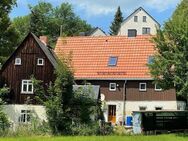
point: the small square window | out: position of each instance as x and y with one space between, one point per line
144 18
112 61
25 116
40 61
142 108
142 86
18 61
145 30
135 18
27 87
112 86
132 32
157 88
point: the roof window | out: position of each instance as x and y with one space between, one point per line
112 61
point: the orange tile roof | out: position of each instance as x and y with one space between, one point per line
90 56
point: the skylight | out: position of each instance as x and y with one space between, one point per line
150 59
112 61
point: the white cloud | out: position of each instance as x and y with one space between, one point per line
104 7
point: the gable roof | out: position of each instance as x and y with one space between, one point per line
90 56
92 31
47 51
138 9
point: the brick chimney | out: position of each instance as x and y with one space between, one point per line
44 39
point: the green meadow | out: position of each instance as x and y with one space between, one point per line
169 137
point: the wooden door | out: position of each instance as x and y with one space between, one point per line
112 113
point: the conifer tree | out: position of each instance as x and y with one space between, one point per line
170 65
118 19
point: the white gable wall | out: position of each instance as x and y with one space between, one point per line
130 24
98 32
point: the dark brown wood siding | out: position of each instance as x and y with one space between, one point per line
132 91
13 74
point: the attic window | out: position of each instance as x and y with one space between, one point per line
112 61
144 18
40 61
150 60
18 61
135 18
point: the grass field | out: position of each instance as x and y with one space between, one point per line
172 137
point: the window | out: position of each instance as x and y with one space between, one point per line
27 87
25 116
132 32
142 86
112 61
142 108
157 88
150 60
112 86
18 61
40 61
144 18
135 18
145 30
158 108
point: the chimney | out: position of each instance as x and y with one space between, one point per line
44 39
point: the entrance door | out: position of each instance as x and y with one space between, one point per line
112 113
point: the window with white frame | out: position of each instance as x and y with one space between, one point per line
142 86
157 88
25 116
40 61
144 18
18 61
135 18
112 86
27 87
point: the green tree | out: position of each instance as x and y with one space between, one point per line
170 65
118 19
8 34
47 20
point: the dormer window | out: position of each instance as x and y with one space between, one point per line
40 61
18 61
112 61
135 18
144 18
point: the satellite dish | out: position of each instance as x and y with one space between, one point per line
102 97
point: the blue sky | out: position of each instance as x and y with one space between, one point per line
100 13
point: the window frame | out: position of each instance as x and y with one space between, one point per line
112 65
158 107
135 18
144 19
110 84
146 30
19 62
143 90
131 30
25 116
38 60
28 82
158 90
142 107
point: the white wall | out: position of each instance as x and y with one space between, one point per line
14 111
134 106
130 24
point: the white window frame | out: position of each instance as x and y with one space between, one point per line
40 64
143 90
157 89
25 116
27 83
111 85
18 61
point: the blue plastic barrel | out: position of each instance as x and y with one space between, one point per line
129 121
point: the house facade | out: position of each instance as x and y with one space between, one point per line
119 65
139 23
33 57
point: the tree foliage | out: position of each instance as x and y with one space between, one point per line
118 19
45 19
170 66
8 34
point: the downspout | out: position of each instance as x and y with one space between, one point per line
124 98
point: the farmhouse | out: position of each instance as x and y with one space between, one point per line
119 65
